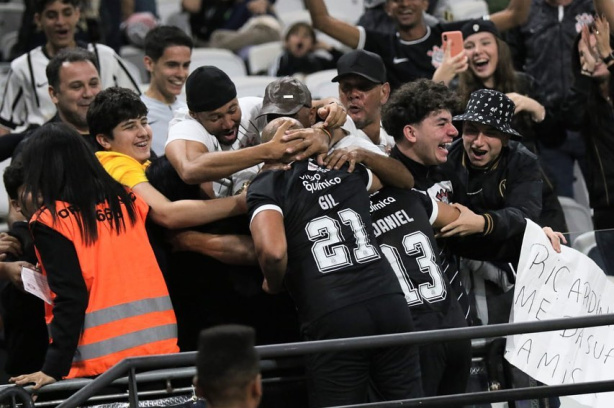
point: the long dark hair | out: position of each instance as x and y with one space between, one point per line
59 166
504 75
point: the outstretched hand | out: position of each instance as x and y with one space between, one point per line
555 238
467 223
39 379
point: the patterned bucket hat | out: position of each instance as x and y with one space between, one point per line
491 108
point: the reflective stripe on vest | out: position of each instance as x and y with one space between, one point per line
124 342
126 310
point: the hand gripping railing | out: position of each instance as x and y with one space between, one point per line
130 365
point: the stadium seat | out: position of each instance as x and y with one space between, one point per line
580 192
134 56
320 85
461 9
225 60
286 6
345 10
587 244
261 57
253 85
577 216
10 17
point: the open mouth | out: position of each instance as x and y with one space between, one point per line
478 153
481 63
142 144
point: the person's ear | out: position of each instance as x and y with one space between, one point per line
103 141
53 95
37 21
409 133
385 93
149 63
256 388
197 388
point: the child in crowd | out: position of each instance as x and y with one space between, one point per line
303 53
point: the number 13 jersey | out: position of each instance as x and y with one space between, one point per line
333 258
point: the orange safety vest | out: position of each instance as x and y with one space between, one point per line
129 311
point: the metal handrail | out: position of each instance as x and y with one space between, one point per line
293 349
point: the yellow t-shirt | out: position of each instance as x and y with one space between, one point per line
123 168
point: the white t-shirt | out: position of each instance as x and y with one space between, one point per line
26 100
159 116
184 127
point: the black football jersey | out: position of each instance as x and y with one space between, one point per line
409 60
333 257
402 222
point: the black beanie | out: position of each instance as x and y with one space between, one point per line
208 88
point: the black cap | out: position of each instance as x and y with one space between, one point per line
208 88
479 26
363 63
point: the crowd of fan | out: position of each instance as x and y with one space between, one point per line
530 93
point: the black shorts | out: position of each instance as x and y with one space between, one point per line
343 378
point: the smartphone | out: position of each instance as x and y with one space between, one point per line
454 37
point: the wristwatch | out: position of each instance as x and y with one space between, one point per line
609 58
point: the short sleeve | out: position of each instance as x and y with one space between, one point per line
265 193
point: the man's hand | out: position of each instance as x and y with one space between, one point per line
280 146
306 142
9 244
339 157
467 223
333 113
38 378
555 238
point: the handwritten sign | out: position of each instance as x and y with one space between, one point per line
553 286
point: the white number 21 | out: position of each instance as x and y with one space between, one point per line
327 249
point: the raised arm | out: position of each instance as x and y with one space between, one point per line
195 164
339 30
516 13
388 171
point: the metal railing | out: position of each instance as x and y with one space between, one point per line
270 355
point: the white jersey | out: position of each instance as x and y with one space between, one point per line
184 127
159 115
26 101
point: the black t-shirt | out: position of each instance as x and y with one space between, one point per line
402 221
409 60
333 257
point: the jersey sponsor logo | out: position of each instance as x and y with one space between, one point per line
390 222
584 19
441 191
436 55
396 60
313 183
381 204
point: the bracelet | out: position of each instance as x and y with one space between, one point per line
609 58
327 133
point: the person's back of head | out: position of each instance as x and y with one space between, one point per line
59 166
163 176
227 364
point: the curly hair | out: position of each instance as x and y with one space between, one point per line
413 102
